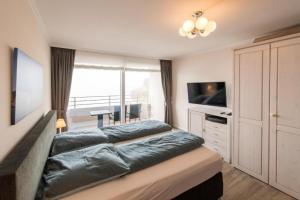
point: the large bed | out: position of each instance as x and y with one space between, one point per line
192 175
163 181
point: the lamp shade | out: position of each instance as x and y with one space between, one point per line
60 123
211 26
191 35
201 23
188 26
181 32
205 33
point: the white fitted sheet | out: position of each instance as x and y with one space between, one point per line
159 182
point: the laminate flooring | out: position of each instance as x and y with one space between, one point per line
241 186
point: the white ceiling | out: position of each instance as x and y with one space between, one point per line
149 28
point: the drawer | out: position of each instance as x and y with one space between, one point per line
221 144
216 148
215 134
216 126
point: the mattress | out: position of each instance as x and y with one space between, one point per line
159 182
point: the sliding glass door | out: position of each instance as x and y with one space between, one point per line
103 96
95 95
143 95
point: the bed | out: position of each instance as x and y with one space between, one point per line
196 175
162 181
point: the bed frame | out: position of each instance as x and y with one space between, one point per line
21 170
211 189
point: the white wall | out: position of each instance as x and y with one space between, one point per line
19 28
212 66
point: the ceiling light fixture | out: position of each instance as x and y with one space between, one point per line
198 26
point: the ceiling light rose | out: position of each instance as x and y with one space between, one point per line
198 26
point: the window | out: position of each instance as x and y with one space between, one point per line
145 87
125 89
94 88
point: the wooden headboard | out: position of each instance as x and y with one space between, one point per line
22 168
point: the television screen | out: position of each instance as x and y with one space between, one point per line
27 86
210 93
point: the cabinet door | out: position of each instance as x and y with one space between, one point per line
196 122
251 111
285 116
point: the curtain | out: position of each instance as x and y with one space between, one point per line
62 64
166 78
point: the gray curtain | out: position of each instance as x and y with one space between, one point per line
166 78
62 64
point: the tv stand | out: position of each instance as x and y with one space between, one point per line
214 125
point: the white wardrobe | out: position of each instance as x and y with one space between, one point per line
267 112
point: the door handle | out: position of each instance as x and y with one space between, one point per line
274 115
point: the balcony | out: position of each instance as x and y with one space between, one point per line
80 107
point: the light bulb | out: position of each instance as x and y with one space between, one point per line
201 23
182 32
191 35
188 26
204 34
211 26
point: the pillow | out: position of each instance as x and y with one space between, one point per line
82 168
69 141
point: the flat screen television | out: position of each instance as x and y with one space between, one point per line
207 93
27 86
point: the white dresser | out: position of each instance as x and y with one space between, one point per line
214 125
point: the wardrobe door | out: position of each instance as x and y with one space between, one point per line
251 111
285 116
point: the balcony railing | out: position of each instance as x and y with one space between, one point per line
103 101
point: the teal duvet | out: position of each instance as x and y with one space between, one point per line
78 169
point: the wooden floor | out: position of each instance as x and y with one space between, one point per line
241 186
